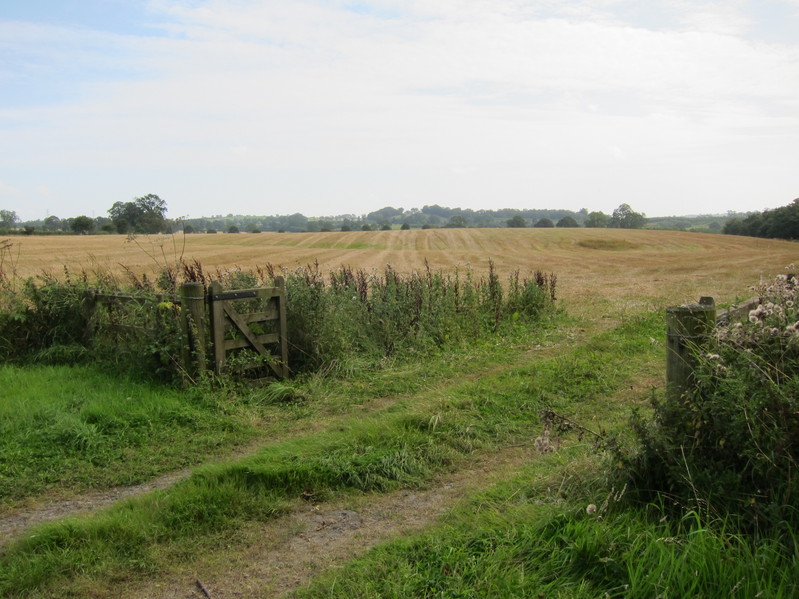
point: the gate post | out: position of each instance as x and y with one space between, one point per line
217 326
280 283
193 316
687 330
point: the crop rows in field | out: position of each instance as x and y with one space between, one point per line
635 268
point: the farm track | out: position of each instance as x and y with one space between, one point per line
17 520
287 553
277 557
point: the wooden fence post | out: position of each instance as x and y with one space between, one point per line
280 283
193 317
217 326
687 330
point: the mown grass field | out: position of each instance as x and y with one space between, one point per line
354 437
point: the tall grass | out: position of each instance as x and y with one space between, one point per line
348 316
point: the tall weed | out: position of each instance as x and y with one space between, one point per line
732 444
344 317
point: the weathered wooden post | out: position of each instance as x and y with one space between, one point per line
192 302
217 325
280 283
687 330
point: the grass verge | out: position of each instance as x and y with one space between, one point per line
533 537
76 427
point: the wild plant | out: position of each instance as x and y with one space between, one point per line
732 443
345 316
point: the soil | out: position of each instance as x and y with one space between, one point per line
15 522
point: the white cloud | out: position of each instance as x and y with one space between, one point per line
496 88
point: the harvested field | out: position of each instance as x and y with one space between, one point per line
629 269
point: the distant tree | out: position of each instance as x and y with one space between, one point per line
544 223
232 229
366 227
456 222
296 223
437 210
346 227
8 218
211 230
188 229
405 227
625 217
385 227
567 222
517 222
385 214
28 230
82 225
146 214
597 220
52 223
427 226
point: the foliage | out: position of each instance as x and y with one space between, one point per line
780 223
146 214
544 223
82 225
517 222
377 315
567 222
732 444
8 219
134 326
597 220
624 217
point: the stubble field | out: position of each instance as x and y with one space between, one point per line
598 269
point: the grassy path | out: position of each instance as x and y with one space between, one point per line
404 444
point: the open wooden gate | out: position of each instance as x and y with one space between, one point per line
264 325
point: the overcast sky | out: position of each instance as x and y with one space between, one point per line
330 107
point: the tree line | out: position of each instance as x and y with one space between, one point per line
148 214
779 223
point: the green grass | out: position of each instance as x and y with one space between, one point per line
404 443
510 543
74 428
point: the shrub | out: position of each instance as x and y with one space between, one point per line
375 315
732 444
349 316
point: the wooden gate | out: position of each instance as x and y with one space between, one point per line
232 329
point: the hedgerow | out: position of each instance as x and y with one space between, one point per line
346 316
730 446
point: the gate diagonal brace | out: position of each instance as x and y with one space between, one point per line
241 324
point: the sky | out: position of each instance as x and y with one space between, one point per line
328 107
